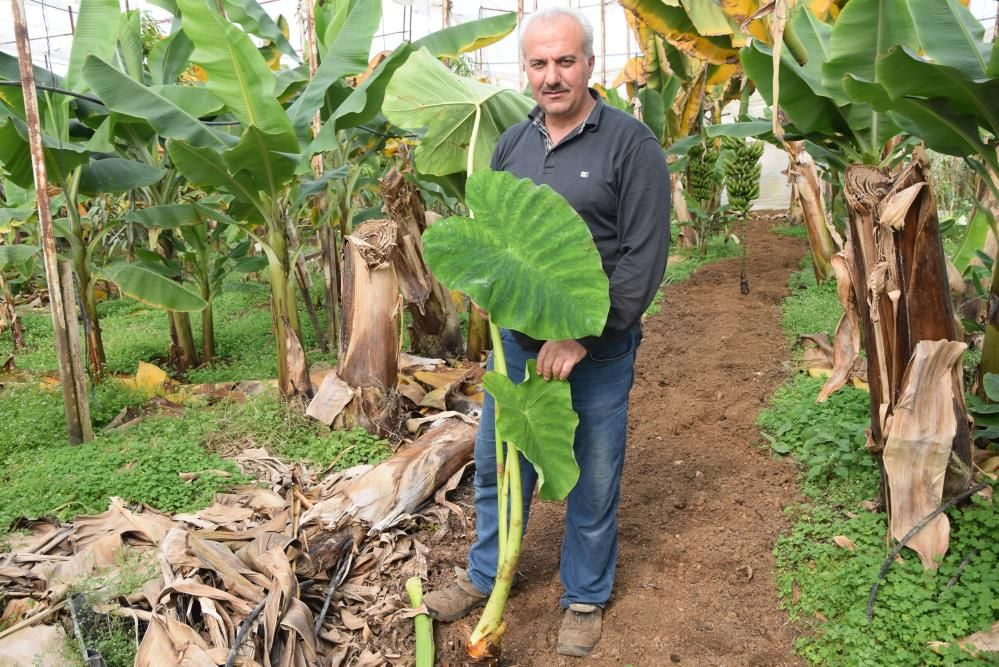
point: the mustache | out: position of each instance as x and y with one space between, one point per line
555 89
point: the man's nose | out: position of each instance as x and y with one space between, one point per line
552 76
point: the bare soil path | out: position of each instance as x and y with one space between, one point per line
701 501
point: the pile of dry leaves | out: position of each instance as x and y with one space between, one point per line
300 571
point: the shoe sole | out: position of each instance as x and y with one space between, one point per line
450 618
573 651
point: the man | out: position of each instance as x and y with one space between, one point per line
612 170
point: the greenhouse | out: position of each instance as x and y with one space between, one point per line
520 332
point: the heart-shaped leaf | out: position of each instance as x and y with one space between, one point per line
537 416
527 258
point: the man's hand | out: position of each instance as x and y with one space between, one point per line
557 358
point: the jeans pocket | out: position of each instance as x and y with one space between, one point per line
615 350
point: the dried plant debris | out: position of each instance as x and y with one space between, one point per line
299 572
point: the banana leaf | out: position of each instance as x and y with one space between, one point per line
346 54
674 25
123 95
974 240
950 35
452 42
149 286
170 56
117 175
130 44
269 160
254 20
91 37
237 73
903 73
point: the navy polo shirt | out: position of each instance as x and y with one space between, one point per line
613 172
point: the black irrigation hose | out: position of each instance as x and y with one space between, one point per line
343 567
244 630
885 566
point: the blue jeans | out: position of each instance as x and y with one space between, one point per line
600 385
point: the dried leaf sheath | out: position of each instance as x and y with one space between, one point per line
920 435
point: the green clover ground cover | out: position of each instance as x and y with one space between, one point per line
823 586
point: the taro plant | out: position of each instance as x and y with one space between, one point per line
529 261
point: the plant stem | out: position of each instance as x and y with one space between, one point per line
490 628
499 365
424 626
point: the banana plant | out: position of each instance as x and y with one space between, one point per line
528 259
81 160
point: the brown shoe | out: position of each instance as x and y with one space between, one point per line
455 601
580 630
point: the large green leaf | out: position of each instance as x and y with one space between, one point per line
60 157
256 21
950 35
117 175
346 54
452 42
123 95
194 100
975 238
653 112
204 167
934 120
903 73
94 35
801 95
537 416
14 255
130 44
527 258
170 56
11 71
151 287
426 94
865 30
167 216
365 102
237 73
268 159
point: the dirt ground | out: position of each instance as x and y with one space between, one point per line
701 501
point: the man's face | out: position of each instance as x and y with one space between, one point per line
557 70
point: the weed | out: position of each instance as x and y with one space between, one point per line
824 586
793 231
141 464
827 439
811 308
285 431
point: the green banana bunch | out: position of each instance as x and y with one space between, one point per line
741 166
702 179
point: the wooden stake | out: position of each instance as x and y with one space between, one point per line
70 369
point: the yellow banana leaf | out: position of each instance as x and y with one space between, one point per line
632 72
722 74
692 105
675 26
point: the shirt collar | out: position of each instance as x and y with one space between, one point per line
537 116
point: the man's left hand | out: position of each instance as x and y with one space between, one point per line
557 358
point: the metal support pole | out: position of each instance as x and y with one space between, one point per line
74 391
603 45
446 13
520 52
